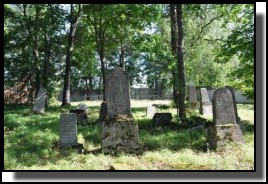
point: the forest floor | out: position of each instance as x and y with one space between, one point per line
31 142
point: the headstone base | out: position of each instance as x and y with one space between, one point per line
119 134
219 135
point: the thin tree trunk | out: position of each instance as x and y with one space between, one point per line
122 58
67 77
174 42
181 94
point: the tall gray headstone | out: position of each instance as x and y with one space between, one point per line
119 129
192 94
68 130
205 103
224 127
151 110
117 92
223 109
40 101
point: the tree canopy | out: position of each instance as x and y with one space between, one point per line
218 46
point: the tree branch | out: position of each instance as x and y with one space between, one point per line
202 29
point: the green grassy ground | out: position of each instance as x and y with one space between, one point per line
30 143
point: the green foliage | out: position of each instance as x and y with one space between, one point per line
239 48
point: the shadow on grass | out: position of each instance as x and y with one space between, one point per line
171 137
248 126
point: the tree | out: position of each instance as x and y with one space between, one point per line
174 42
181 93
74 19
238 48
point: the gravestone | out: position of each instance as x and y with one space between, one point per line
192 98
151 110
162 119
224 127
40 101
117 92
103 111
205 104
238 120
81 113
68 130
119 129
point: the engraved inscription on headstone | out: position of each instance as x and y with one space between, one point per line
68 130
117 92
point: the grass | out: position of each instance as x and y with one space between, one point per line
31 143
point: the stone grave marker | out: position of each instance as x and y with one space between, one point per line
68 130
81 113
40 101
119 129
224 127
192 97
150 111
205 103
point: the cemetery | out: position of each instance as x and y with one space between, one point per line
127 99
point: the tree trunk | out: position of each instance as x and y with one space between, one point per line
37 82
103 76
90 83
100 85
181 94
67 77
174 42
122 62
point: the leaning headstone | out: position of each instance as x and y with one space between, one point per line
224 127
238 120
68 130
82 106
40 101
192 98
119 130
103 111
151 110
205 104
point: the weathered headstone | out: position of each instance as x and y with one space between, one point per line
192 94
205 104
162 119
238 120
119 130
192 98
68 130
40 101
117 92
224 127
151 110
81 113
103 111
